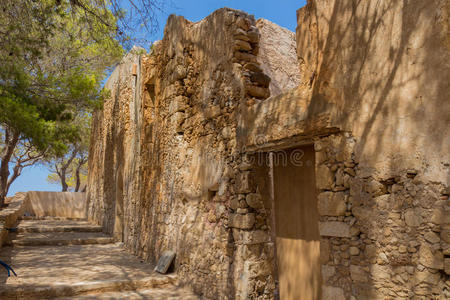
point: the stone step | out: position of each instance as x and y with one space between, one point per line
51 218
58 239
65 228
80 289
57 226
67 271
169 293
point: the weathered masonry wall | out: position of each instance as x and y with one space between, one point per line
383 65
374 101
189 152
114 148
164 164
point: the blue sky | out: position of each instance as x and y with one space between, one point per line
281 12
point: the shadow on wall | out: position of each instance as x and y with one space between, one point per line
374 70
381 64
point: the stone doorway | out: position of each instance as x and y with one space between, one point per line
296 221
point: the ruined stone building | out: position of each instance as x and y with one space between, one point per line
310 165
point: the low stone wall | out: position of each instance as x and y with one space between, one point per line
56 204
8 216
41 204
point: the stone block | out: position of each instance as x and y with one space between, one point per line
234 203
254 200
241 35
165 261
260 79
358 274
227 132
447 265
243 56
362 213
340 177
242 45
440 217
379 272
170 91
335 229
375 188
354 231
179 103
412 218
332 204
427 277
243 23
354 251
212 112
445 235
257 91
193 121
253 35
350 171
254 67
324 251
254 237
242 221
402 249
177 120
178 73
332 293
431 259
258 268
327 272
324 178
244 182
384 202
432 237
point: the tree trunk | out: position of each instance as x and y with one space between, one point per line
17 170
11 139
64 167
77 178
63 180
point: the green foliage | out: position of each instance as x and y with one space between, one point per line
54 56
70 169
54 59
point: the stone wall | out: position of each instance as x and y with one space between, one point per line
164 162
376 69
40 204
10 215
115 145
179 152
56 204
